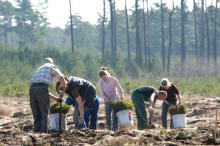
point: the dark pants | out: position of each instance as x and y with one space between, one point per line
141 114
111 118
165 108
40 106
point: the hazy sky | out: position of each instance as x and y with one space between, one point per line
58 10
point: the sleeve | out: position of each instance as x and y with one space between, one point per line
56 72
69 101
176 91
121 91
102 93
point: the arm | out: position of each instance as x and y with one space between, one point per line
81 108
55 98
59 76
178 98
76 95
121 92
151 100
176 93
102 93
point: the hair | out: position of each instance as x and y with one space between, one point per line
103 72
48 60
160 93
57 86
165 81
59 83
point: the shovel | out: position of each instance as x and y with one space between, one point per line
60 113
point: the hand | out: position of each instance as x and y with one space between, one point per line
179 102
82 125
81 120
154 104
151 109
122 96
59 100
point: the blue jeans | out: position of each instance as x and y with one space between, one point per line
165 108
111 118
90 116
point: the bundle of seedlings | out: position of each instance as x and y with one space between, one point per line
177 109
122 105
55 108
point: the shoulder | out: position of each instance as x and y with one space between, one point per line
113 78
173 86
100 81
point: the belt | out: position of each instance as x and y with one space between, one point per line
39 85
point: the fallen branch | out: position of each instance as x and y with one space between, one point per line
197 120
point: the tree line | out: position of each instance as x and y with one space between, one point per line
168 40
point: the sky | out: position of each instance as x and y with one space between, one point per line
89 10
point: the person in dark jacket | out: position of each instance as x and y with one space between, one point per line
84 93
139 98
172 98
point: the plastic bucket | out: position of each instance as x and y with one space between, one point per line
179 121
125 118
54 121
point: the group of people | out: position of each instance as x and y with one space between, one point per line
82 95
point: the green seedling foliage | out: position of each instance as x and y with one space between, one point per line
122 105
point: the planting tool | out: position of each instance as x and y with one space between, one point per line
60 113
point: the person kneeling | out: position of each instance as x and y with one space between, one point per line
86 104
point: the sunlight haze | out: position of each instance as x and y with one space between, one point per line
89 10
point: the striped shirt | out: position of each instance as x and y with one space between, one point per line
46 73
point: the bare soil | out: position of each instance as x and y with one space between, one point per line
202 129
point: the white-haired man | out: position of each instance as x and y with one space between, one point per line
40 95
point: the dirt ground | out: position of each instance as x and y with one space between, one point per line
16 127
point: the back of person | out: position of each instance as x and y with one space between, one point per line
146 92
86 89
45 74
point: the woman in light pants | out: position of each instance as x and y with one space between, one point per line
110 91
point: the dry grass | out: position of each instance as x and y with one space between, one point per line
5 110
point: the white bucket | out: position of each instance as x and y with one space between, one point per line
54 121
125 118
179 120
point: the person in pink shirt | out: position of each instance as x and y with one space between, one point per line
110 91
